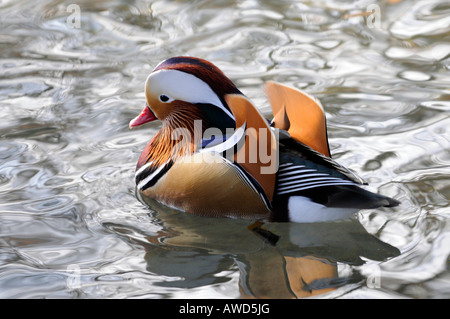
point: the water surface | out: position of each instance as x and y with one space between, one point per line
70 223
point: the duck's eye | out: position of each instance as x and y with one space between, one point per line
164 98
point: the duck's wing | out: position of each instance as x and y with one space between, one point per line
312 187
302 168
299 114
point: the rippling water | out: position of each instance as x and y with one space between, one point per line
70 223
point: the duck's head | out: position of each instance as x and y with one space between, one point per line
184 86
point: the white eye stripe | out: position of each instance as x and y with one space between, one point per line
178 85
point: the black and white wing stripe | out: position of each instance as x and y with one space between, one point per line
294 177
303 168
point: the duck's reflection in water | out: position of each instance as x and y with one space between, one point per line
275 260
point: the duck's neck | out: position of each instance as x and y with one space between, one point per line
179 136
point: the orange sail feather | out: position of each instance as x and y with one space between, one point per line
299 114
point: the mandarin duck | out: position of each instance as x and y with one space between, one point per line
216 155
